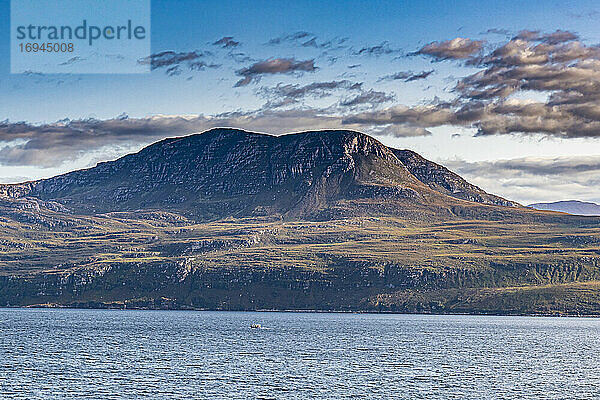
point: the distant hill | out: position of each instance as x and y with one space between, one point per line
574 207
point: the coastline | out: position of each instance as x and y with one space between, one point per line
305 311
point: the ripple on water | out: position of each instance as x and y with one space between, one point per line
102 354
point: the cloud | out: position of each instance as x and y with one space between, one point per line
50 145
72 61
371 98
555 37
377 50
592 14
174 62
455 49
273 66
291 94
169 58
54 79
226 42
307 39
420 116
498 31
541 166
399 131
406 76
65 143
535 83
293 38
534 179
83 142
284 95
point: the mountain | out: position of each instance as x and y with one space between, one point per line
574 207
322 220
228 172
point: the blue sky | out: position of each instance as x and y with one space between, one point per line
392 30
188 25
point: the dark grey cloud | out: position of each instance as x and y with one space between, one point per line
33 73
169 58
240 57
175 62
418 76
407 76
498 31
419 116
273 66
307 39
555 37
299 119
377 50
455 49
310 40
62 142
370 98
173 71
226 42
285 95
72 61
400 131
49 145
293 38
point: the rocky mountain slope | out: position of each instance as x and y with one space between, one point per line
330 220
227 172
441 179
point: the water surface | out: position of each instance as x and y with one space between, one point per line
113 354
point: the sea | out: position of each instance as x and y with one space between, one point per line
145 354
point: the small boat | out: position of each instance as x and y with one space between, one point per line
256 326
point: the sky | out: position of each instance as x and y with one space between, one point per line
507 94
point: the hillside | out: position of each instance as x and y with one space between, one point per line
328 220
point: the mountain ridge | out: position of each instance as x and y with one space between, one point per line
441 179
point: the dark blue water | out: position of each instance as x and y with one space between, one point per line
94 354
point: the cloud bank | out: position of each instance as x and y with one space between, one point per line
535 179
63 142
535 83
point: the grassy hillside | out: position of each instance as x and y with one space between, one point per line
159 259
